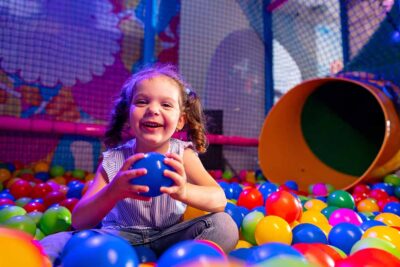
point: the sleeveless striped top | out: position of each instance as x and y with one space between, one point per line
159 212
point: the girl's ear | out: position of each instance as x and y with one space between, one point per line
181 122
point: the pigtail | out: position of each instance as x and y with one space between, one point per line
119 116
195 122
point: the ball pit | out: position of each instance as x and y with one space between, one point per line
319 230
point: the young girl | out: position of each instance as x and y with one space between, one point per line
153 105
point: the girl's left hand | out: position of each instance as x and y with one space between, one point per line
178 191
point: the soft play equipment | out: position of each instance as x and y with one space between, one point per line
335 130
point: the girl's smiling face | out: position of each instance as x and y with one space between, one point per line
155 113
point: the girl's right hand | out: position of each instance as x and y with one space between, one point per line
121 185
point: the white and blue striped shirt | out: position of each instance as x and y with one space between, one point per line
159 212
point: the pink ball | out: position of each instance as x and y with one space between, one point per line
320 189
345 215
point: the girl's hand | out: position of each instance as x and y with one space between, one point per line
177 191
121 186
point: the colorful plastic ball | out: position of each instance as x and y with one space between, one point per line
145 254
241 254
371 242
22 201
42 176
189 251
264 252
344 215
371 257
21 222
319 189
341 199
267 188
11 211
6 201
75 189
6 194
40 190
392 207
55 219
315 204
69 203
292 185
327 212
57 170
236 190
101 250
389 219
313 217
368 224
314 254
21 188
392 179
249 225
154 178
362 188
54 197
243 244
284 205
344 236
78 174
77 239
384 232
34 206
272 228
367 205
19 249
235 213
35 216
378 194
4 175
286 261
308 233
250 198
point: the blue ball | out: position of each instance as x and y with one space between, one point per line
344 236
145 254
392 207
371 223
76 240
235 213
154 178
189 251
101 250
308 233
267 251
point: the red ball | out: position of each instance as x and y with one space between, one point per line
34 206
314 254
284 205
69 203
250 198
6 201
40 190
369 257
378 194
362 188
21 188
53 197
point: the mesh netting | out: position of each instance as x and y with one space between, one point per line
65 61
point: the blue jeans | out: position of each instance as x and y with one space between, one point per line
217 227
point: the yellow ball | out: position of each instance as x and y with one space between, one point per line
313 217
367 205
273 229
315 204
41 166
192 213
243 244
384 232
388 218
18 249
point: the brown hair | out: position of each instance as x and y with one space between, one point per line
190 106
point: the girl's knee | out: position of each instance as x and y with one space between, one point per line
226 231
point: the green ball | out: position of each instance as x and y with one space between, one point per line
79 174
54 220
56 171
341 199
392 179
249 224
328 211
11 211
39 234
23 223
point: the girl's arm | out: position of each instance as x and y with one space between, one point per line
199 190
102 196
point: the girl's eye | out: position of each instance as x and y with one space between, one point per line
167 105
140 102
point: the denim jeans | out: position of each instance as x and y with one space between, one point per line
216 227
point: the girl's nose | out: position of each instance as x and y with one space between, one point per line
153 109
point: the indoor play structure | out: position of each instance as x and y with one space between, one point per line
302 99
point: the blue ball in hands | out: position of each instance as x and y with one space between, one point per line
154 178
